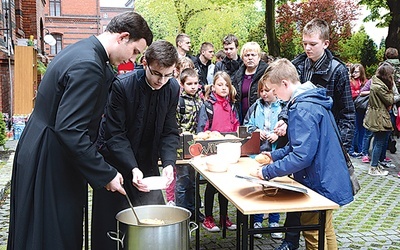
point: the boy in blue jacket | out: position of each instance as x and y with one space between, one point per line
313 155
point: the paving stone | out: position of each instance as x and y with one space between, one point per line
370 222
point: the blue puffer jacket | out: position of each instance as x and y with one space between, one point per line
314 154
255 119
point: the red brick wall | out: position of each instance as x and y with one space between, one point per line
5 96
79 19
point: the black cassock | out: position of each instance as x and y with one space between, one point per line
56 154
139 128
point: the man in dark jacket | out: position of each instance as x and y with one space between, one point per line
138 128
232 61
203 63
56 155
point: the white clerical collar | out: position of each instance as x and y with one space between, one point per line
148 84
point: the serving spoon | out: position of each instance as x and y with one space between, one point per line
134 212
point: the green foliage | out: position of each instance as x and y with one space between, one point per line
375 7
41 68
350 49
368 54
3 136
370 70
208 20
380 55
360 48
257 34
290 46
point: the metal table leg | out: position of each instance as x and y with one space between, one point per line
321 231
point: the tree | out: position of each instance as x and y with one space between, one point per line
272 40
368 54
3 136
211 19
390 19
350 50
184 12
339 14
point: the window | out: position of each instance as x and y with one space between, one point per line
55 7
58 47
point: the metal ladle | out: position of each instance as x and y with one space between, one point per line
134 212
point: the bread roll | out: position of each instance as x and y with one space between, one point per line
230 136
263 159
202 136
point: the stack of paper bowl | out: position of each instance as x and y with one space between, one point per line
215 164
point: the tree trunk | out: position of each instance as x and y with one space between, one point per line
272 40
393 38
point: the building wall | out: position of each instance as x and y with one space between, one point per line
78 20
107 13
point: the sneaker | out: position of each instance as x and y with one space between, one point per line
286 245
387 159
200 215
376 171
355 154
277 235
171 203
387 164
398 175
229 224
365 159
209 224
258 225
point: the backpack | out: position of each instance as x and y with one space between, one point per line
323 81
207 104
396 75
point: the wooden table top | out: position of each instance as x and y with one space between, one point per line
249 198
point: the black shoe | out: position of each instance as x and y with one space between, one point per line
286 245
201 217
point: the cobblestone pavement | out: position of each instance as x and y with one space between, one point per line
372 221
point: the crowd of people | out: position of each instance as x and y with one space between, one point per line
90 126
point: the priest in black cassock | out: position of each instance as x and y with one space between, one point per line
56 155
138 128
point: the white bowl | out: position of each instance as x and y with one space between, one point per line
215 164
155 182
229 152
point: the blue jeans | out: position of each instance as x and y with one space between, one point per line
366 142
357 143
185 187
273 217
379 147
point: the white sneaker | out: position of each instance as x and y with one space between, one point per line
277 235
171 203
257 225
376 171
386 164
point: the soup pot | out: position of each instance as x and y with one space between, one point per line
173 234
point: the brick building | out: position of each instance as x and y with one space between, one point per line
68 21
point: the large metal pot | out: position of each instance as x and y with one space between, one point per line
174 234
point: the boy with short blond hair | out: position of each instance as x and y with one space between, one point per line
313 155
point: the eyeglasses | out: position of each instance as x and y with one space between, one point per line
159 75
